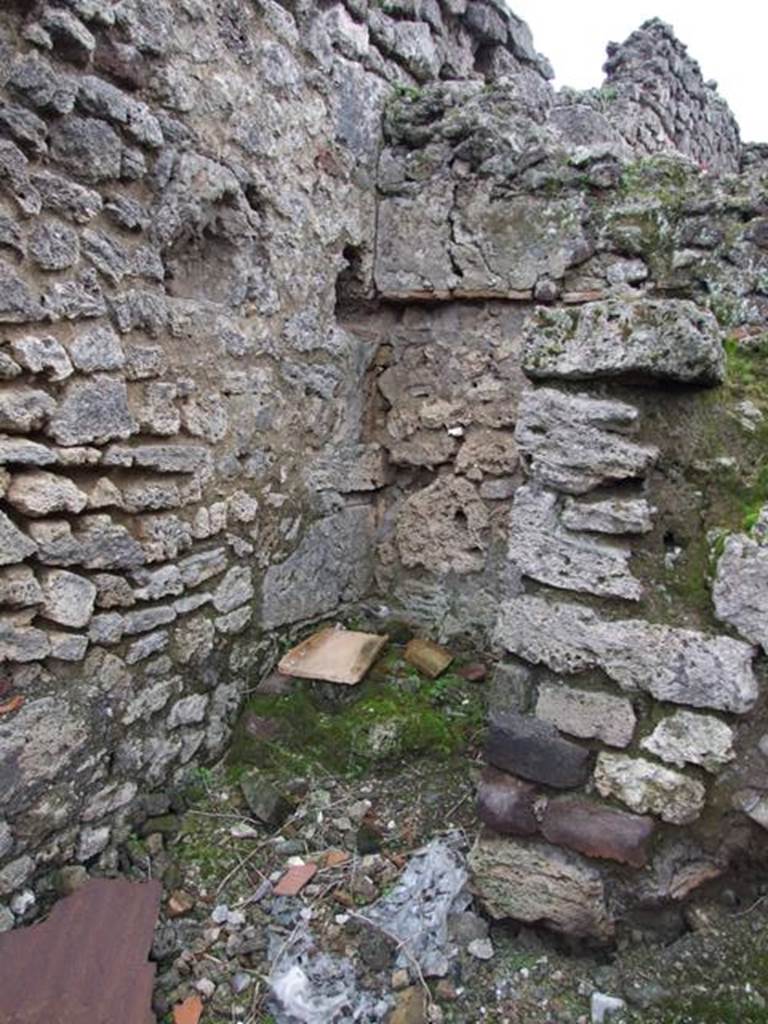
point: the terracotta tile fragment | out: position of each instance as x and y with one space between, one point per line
598 831
475 672
428 657
336 858
188 1012
294 880
179 903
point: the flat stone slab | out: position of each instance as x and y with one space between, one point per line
740 590
686 737
535 750
587 714
531 881
333 655
87 962
663 339
428 657
678 665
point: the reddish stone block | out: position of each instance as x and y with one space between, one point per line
598 831
505 804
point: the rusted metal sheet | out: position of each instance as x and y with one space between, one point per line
88 962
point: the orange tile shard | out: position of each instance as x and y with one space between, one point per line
334 656
188 1012
87 962
294 880
428 657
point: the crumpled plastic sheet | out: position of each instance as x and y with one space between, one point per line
416 911
310 987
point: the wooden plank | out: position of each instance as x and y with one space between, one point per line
88 962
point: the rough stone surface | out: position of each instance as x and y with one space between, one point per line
588 714
646 787
67 598
14 545
611 515
740 589
543 549
598 831
40 493
534 750
537 883
665 339
689 738
678 665
93 411
574 443
442 527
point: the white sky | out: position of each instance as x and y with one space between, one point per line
727 39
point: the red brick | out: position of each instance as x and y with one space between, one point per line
505 804
598 831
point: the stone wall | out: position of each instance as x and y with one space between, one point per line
305 303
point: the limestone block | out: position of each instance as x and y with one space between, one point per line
537 883
740 590
234 590
492 452
39 743
151 643
647 787
66 198
412 244
541 548
336 554
15 546
93 410
21 452
24 409
188 710
158 415
678 665
668 339
96 349
41 493
14 875
42 355
689 738
108 800
54 246
43 88
193 640
106 628
67 646
87 148
96 543
113 591
152 584
234 622
147 618
197 568
68 598
588 714
574 443
610 515
19 586
20 642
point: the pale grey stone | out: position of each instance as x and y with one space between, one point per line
148 618
740 589
192 602
106 628
68 598
94 410
574 443
611 515
678 665
158 414
533 882
24 409
235 589
38 492
67 198
148 645
14 875
7 919
15 546
67 646
108 800
113 591
25 453
96 543
19 642
588 714
646 787
193 640
98 348
91 842
669 339
42 87
202 566
43 355
150 700
81 299
335 554
541 548
689 738
188 710
54 246
603 1007
152 584
87 148
39 744
19 586
164 458
234 622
